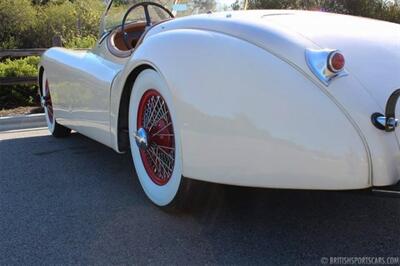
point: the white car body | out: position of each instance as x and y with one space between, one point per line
250 112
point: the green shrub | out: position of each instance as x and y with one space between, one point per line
89 13
69 20
81 42
25 25
56 20
25 67
19 95
17 20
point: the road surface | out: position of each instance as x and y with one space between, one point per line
70 201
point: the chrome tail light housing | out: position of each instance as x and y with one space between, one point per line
326 64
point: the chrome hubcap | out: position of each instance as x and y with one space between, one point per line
141 139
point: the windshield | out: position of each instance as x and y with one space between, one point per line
117 8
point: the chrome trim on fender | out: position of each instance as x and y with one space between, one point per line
318 60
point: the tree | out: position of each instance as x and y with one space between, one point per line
26 24
379 9
17 19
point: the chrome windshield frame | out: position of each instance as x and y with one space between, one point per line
102 29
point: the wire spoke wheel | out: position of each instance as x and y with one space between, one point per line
48 103
155 137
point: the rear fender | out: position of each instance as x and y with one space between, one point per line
249 118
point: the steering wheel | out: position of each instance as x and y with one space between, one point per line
145 6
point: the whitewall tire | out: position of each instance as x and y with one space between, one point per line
155 139
55 129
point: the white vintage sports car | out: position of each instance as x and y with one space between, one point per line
268 98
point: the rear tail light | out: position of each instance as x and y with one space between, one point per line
336 62
326 64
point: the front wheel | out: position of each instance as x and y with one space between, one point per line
55 129
155 141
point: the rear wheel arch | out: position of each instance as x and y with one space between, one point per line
123 110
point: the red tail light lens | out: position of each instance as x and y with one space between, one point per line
326 64
336 62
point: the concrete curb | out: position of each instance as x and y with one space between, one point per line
22 122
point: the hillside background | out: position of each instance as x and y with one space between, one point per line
33 23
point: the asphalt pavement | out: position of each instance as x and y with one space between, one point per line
75 201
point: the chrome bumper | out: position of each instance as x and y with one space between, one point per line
388 121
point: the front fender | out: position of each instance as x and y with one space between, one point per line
249 118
